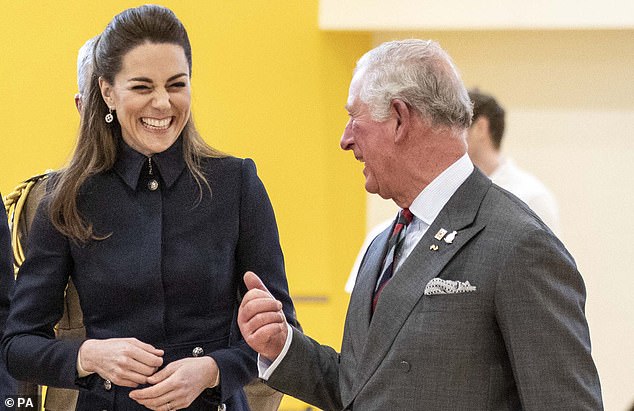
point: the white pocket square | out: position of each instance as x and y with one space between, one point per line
440 286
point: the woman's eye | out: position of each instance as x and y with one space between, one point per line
140 87
180 84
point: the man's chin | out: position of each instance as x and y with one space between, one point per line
372 188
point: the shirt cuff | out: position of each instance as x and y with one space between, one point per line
266 367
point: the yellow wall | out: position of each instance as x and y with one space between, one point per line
266 84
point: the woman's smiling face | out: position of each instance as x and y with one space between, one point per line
151 95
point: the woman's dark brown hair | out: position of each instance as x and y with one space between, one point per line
96 148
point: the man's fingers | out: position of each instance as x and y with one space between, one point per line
251 307
251 280
264 319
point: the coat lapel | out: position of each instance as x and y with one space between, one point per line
405 289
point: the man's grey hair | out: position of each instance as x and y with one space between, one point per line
421 74
84 64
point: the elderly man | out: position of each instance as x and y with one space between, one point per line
467 302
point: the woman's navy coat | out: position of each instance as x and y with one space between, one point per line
169 273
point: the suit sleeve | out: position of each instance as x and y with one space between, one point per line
29 346
259 251
310 372
540 305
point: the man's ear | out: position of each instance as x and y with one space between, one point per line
402 113
106 92
481 126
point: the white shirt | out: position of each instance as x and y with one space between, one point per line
528 189
425 208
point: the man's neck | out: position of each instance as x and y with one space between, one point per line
488 161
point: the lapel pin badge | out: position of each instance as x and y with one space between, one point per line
450 237
433 247
440 234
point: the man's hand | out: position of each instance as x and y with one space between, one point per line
261 319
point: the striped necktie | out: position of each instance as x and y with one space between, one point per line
393 245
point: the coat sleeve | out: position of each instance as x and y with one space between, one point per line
540 304
310 372
29 346
258 250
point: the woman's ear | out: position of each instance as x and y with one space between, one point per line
106 92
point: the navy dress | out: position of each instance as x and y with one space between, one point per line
169 273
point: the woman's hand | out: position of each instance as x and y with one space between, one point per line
178 384
126 362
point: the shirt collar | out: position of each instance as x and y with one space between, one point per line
427 205
129 164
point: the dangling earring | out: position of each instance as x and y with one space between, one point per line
109 117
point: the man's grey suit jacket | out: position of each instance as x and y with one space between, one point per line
520 341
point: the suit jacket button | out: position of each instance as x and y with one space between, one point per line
107 385
197 352
405 366
222 407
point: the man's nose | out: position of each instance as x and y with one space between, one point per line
346 138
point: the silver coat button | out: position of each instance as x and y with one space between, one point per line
152 185
198 351
222 407
107 385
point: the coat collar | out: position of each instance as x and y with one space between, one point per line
130 163
370 340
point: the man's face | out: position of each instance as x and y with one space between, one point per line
371 141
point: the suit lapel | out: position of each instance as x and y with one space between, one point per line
402 293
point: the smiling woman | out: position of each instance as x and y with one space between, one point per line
156 229
151 96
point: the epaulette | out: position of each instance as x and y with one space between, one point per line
14 204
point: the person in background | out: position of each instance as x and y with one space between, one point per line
71 325
468 301
154 227
8 385
485 139
84 70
